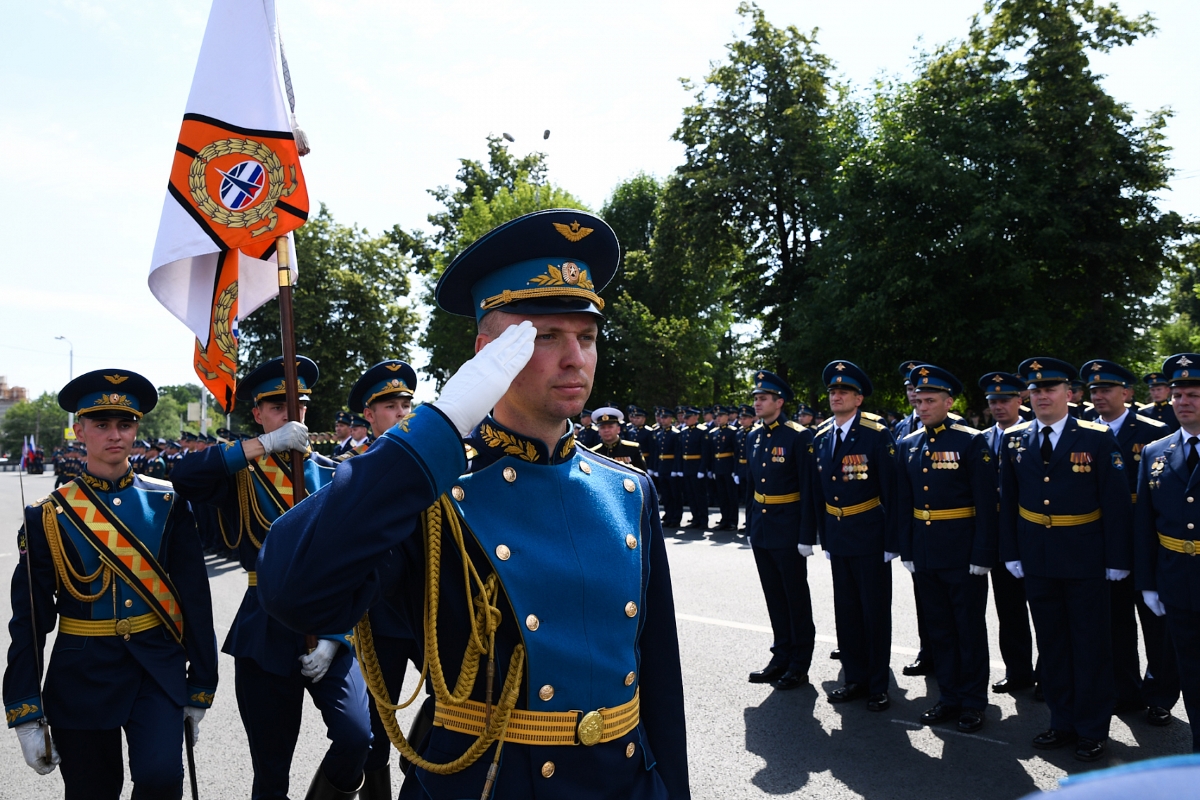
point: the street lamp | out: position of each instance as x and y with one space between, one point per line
71 369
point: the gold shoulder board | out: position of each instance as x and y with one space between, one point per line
964 429
796 426
872 424
872 415
1020 426
912 435
1091 426
1153 423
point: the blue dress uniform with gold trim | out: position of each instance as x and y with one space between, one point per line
852 514
1067 523
946 499
780 459
128 653
567 587
1167 516
1160 410
251 497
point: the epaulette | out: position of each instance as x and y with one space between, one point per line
1144 406
965 429
471 452
872 415
1151 421
796 426
1087 424
826 425
344 456
912 435
952 415
40 502
631 444
629 467
159 482
1020 426
1024 407
653 427
595 448
873 424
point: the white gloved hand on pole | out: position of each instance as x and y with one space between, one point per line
974 570
289 436
33 747
314 665
737 481
1153 603
472 391
195 715
1015 568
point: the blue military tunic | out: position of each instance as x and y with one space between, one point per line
575 544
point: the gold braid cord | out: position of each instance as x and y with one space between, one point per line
248 511
63 570
484 623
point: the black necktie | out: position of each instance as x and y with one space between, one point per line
1047 448
837 448
1193 456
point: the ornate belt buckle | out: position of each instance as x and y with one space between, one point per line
925 515
590 729
1046 520
1189 547
123 627
839 512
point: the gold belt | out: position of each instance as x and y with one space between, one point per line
776 499
1133 497
252 578
665 457
944 513
1186 546
1058 520
724 455
545 727
108 627
858 508
692 458
741 461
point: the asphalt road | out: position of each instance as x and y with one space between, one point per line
745 740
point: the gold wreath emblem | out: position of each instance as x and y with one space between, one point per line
223 327
277 187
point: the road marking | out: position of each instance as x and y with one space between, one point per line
912 724
745 626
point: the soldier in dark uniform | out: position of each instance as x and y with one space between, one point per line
669 475
746 420
910 421
1160 401
1003 391
1168 573
852 513
722 440
609 423
568 591
1108 383
1064 527
135 648
948 542
780 456
588 435
250 483
690 452
1075 407
341 429
154 466
643 435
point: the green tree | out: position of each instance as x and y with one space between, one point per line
40 418
165 420
352 309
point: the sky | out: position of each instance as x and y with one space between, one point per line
392 94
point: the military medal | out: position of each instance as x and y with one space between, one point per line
944 459
1081 462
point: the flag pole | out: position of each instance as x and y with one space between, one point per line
290 377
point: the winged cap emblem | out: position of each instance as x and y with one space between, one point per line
1035 366
573 232
1096 367
1184 361
840 366
923 371
392 367
116 378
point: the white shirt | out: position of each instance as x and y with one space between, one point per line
359 442
1115 425
1056 430
845 429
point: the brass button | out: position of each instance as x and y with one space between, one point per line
129 604
502 552
116 501
546 692
925 469
629 750
631 541
1191 499
458 493
547 769
532 622
926 488
629 679
587 470
1046 479
835 498
1045 502
167 497
631 609
510 474
1191 525
630 485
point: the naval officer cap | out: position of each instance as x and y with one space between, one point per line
907 366
999 385
109 394
1101 372
343 418
769 382
358 422
746 411
607 414
391 378
1045 371
1182 369
548 262
931 378
265 382
1155 379
846 375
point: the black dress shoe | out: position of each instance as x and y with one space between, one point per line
940 713
970 721
768 673
791 680
1158 716
922 666
848 692
1008 685
1128 706
1052 739
1038 694
836 655
879 702
1089 750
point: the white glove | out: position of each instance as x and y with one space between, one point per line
314 665
910 566
195 715
804 550
700 475
889 556
1153 603
1116 574
1015 568
712 476
472 391
652 473
737 481
290 436
827 556
33 747
974 570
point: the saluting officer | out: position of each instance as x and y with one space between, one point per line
608 422
852 513
1003 392
1160 407
690 457
1107 384
116 562
250 482
948 541
780 454
1064 527
1167 516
